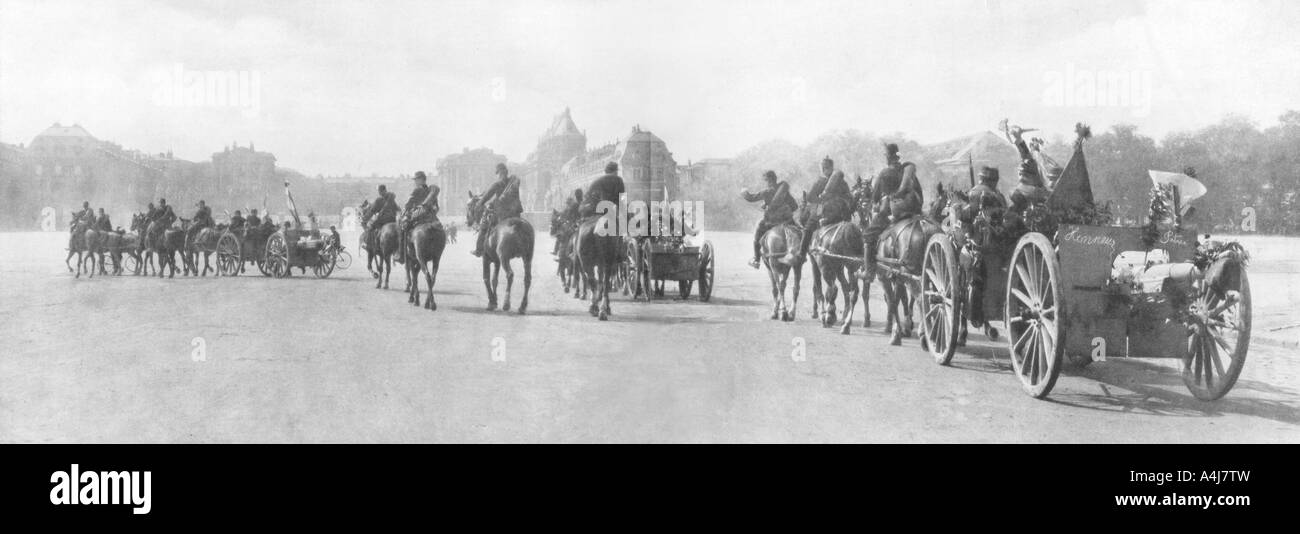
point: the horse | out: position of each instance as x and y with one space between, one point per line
118 242
423 255
563 232
780 253
511 238
380 246
76 245
578 282
92 245
803 216
451 233
140 228
599 256
167 243
837 252
899 258
205 242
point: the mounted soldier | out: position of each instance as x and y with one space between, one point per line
253 223
202 219
102 222
778 208
885 184
502 200
82 219
568 219
836 200
163 219
421 206
813 197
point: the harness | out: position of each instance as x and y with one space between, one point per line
821 251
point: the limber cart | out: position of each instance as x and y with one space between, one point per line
655 261
1091 292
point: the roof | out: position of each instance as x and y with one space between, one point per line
562 125
59 130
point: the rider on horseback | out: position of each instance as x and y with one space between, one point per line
237 223
103 223
421 207
836 201
502 201
568 219
814 195
606 188
778 208
202 219
886 183
162 219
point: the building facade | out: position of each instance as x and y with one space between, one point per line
645 163
470 170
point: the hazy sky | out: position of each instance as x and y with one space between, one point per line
389 87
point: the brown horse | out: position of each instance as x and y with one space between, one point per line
380 246
901 252
167 243
205 243
781 254
140 228
92 245
423 255
77 246
566 268
599 256
510 238
837 251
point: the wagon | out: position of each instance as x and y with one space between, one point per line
1083 293
289 248
234 249
654 261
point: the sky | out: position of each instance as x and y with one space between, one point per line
388 87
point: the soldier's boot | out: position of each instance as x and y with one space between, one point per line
758 252
478 244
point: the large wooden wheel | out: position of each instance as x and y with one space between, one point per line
229 256
1034 313
1219 329
641 269
277 256
705 275
940 290
324 265
130 264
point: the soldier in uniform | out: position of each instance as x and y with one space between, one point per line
607 188
150 214
987 200
237 222
1031 189
103 223
419 195
502 199
836 200
164 219
253 223
568 218
86 217
814 196
380 212
202 219
885 184
268 226
778 208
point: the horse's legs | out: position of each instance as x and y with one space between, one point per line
830 291
818 300
602 290
794 295
510 280
69 258
487 283
776 295
388 269
528 283
894 298
866 307
850 283
430 276
593 288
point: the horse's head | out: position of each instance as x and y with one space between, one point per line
557 222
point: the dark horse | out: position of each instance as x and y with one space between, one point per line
167 243
780 249
380 245
511 238
837 252
563 232
899 258
600 251
423 255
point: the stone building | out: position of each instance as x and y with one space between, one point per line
560 143
470 170
644 162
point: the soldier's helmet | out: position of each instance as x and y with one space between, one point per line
419 175
501 168
611 167
891 151
770 176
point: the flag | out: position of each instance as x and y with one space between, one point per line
293 210
1074 188
1189 188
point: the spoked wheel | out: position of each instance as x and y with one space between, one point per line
705 280
228 255
1219 328
130 264
325 265
261 267
630 263
277 256
940 284
1034 312
344 259
641 270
